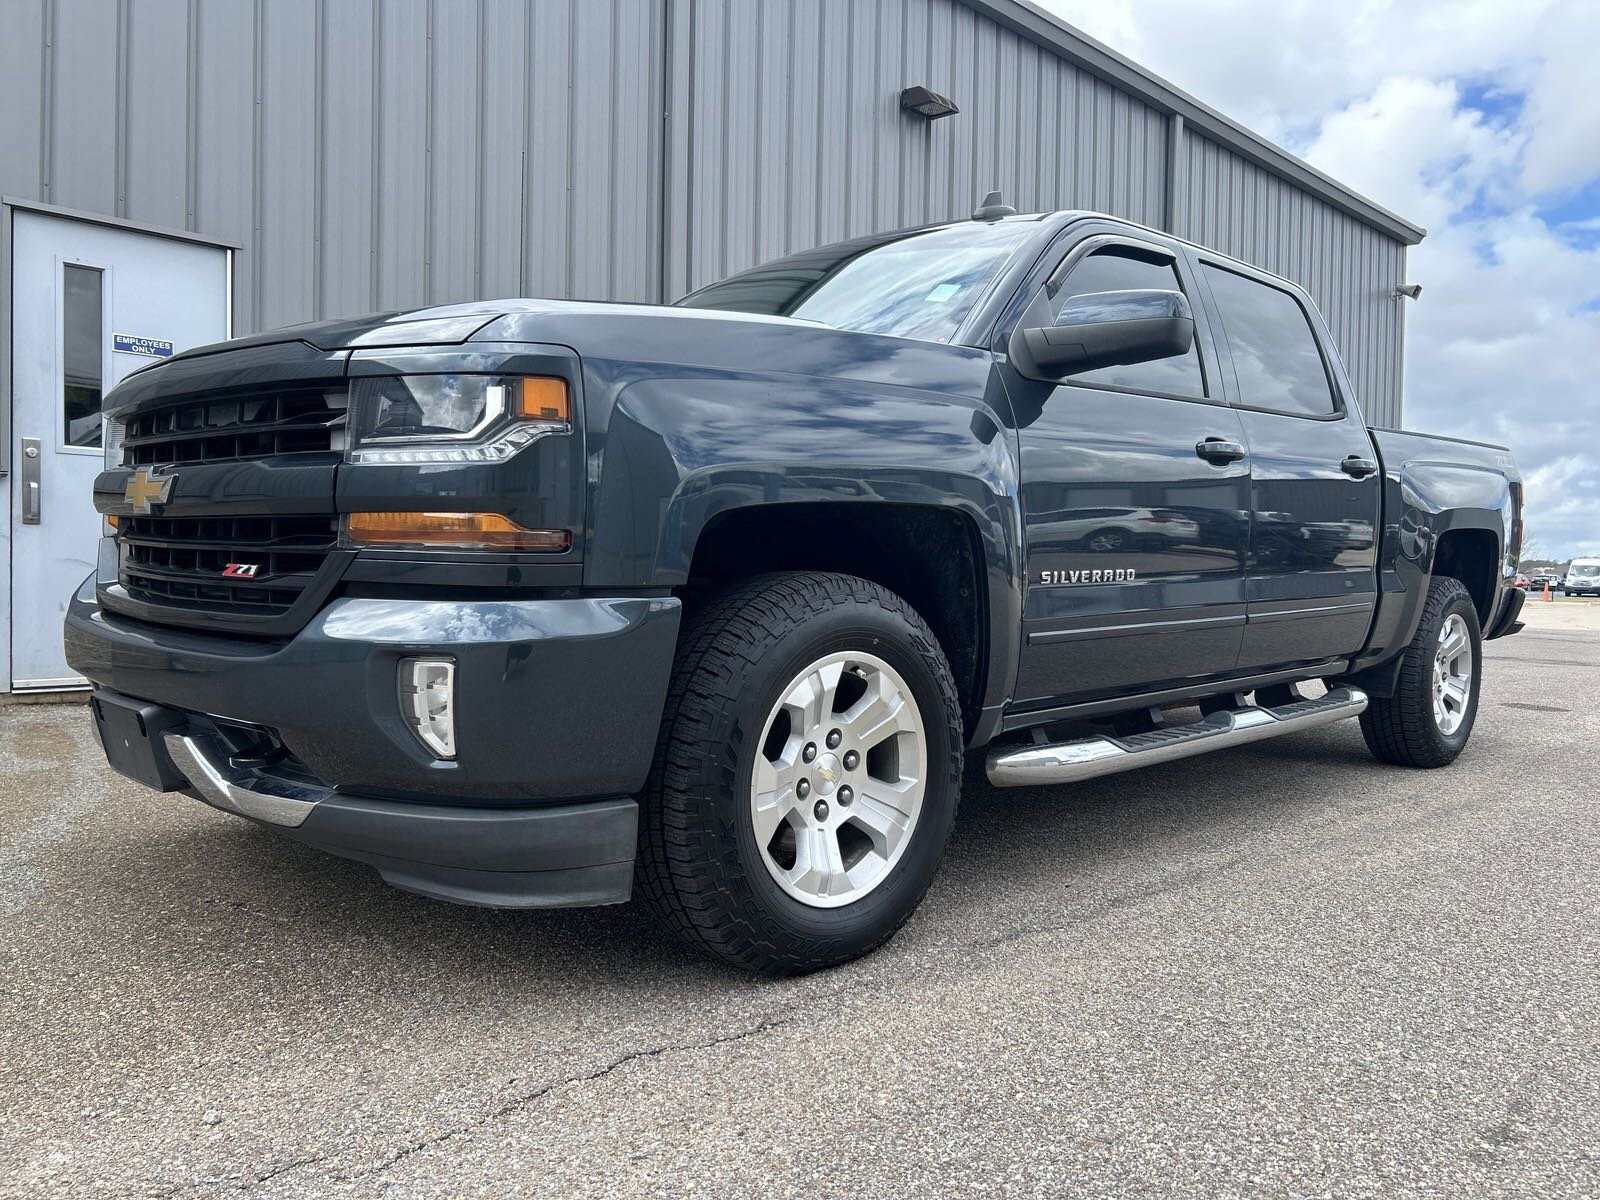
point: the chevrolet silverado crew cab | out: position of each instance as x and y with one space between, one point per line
540 603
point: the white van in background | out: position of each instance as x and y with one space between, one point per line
1583 577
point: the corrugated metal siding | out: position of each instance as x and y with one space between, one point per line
1349 268
385 153
363 153
797 137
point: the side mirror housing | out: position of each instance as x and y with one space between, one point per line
1105 329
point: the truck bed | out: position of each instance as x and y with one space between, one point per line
1400 447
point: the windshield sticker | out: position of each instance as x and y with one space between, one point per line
943 293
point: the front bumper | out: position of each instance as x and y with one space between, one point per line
549 856
555 699
546 856
558 704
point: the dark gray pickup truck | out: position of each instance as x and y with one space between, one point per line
534 603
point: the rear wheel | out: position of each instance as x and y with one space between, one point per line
806 776
1428 720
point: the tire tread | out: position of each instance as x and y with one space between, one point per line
1399 729
681 850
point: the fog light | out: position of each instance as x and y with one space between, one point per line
427 701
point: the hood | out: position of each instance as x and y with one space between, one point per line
439 326
682 338
445 325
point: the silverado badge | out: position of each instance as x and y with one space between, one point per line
145 490
1116 575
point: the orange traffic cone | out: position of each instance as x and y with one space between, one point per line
1547 591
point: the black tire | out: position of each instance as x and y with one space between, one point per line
1402 729
698 863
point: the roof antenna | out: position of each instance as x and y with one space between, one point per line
992 208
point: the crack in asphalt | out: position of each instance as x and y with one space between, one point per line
294 1164
510 1107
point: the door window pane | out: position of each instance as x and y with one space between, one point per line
1121 270
1274 351
82 342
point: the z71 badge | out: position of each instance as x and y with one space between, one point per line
1115 576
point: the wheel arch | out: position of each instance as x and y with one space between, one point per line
1472 556
932 556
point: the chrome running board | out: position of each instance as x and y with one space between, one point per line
1086 758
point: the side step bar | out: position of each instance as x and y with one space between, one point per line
1086 758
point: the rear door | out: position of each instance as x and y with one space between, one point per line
1311 580
1135 503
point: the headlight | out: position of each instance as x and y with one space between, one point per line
453 418
115 431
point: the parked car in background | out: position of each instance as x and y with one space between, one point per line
1583 577
1522 581
1547 579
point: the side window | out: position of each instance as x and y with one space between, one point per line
81 348
1274 351
1121 269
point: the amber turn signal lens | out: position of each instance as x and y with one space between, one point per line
480 531
540 398
111 520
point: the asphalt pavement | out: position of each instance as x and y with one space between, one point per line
1283 970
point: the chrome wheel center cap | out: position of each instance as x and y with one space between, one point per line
827 773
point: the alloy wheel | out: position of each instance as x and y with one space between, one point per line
1452 674
839 779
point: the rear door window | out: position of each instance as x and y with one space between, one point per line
1275 354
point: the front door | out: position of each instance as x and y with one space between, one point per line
1135 497
89 304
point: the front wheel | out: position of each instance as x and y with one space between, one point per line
806 775
1428 720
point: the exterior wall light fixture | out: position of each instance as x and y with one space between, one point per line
926 102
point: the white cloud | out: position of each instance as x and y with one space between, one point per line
1413 144
1478 120
1562 114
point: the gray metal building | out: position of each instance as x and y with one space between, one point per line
352 155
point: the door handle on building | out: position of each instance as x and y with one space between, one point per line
1217 450
31 456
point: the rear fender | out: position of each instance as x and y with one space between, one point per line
1424 500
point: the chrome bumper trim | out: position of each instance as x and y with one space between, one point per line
238 792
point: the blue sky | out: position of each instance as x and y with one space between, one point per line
1481 122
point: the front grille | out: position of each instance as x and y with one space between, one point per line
178 562
212 428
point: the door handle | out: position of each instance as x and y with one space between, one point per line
1357 467
1217 450
31 457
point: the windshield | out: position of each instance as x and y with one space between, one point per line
917 284
1585 569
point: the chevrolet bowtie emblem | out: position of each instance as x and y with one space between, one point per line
145 490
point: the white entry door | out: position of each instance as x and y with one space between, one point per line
89 304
